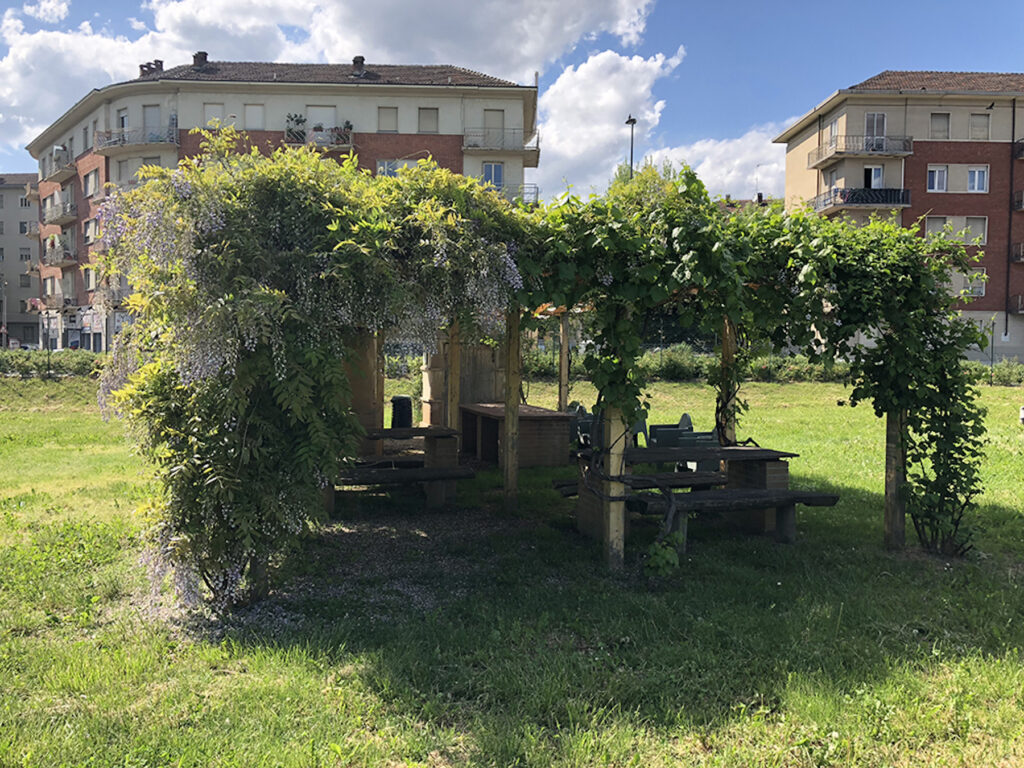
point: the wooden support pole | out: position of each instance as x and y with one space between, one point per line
381 366
614 512
510 439
563 361
454 376
729 347
895 479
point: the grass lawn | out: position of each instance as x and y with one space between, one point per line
398 637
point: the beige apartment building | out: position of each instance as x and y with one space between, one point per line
388 115
19 251
945 147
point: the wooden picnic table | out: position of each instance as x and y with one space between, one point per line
543 434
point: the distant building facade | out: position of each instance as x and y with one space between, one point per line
943 146
388 115
19 258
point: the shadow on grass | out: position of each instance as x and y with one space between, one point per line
507 626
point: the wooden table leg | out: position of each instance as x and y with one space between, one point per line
785 524
440 451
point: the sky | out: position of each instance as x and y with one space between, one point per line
710 83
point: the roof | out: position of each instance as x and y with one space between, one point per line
958 82
376 74
17 179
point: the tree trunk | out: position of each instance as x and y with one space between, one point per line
726 392
259 584
895 479
510 440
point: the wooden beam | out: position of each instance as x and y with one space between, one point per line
895 479
614 512
729 347
510 438
454 376
563 361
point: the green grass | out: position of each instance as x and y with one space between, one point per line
399 637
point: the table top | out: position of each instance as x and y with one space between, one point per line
701 453
497 411
403 433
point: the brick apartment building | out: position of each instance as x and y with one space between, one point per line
388 115
19 250
943 146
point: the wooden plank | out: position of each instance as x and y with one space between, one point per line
684 453
404 433
510 436
895 479
614 512
563 361
453 374
374 476
675 480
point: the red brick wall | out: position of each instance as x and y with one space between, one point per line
996 205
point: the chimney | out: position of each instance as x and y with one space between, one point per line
199 59
158 65
358 69
145 69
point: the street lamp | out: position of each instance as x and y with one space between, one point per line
631 121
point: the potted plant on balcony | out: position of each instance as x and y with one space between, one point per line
318 135
342 134
295 128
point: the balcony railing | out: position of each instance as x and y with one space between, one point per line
109 142
510 139
1016 305
337 137
31 230
58 301
32 192
59 252
860 197
61 213
62 166
860 146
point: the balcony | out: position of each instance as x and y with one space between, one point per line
32 192
1016 305
61 213
58 301
109 297
503 140
128 140
32 267
335 137
842 198
59 252
839 147
31 230
1017 253
62 166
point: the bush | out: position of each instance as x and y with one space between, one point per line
1008 373
38 363
676 363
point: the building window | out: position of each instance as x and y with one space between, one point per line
2 201
977 178
833 131
213 112
979 127
24 254
91 183
91 229
937 178
22 227
494 174
253 116
387 119
1 227
122 119
428 120
122 171
874 131
934 225
833 179
49 284
24 281
89 277
977 230
873 177
1 254
976 282
23 202
85 136
390 167
939 127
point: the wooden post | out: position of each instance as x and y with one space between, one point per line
510 439
381 366
729 346
563 361
614 512
454 376
895 478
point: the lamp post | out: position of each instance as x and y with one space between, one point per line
631 121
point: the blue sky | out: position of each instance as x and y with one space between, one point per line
710 83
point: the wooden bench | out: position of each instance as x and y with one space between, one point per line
647 482
739 499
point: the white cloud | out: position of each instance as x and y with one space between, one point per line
50 11
740 166
45 71
583 118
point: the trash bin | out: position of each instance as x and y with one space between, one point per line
401 411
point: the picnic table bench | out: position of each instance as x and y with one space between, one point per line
437 471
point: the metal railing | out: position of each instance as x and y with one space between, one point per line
498 138
528 193
31 230
861 145
879 198
59 252
60 213
61 165
120 137
337 136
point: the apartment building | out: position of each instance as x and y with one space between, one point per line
19 253
388 115
944 147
